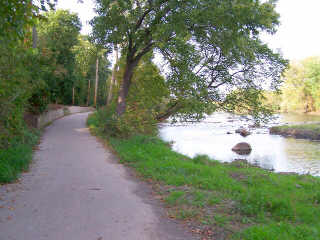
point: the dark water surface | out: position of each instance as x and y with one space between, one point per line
268 151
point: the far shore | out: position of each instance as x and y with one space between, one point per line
301 131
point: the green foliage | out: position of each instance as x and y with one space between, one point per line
201 190
58 34
86 55
17 157
210 47
301 88
20 68
146 100
16 86
272 99
16 18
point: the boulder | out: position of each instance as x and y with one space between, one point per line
242 148
243 132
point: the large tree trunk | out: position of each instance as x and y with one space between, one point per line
125 85
113 77
131 63
96 84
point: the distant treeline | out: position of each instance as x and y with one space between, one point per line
300 91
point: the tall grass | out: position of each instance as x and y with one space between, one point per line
17 157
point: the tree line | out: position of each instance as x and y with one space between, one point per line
44 59
300 88
211 55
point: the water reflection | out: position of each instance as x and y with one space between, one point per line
268 151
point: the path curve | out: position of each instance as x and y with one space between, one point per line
76 190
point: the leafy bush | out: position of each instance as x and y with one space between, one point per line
108 123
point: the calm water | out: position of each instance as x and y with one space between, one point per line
268 151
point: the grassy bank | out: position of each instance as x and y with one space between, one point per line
16 158
224 201
305 131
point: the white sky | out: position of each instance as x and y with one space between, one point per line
298 36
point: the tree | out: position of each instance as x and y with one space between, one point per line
210 47
16 18
20 66
58 34
301 88
86 56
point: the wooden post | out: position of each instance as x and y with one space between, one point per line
88 98
97 80
73 96
113 76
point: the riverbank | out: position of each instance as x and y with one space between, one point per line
301 131
223 201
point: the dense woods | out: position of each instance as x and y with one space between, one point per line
44 60
59 66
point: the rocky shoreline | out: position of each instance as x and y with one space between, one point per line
297 131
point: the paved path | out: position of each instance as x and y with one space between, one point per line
76 190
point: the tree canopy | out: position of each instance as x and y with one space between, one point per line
17 16
210 48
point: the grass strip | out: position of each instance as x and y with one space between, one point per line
224 201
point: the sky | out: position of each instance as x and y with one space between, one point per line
298 36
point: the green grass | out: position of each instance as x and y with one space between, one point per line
247 202
17 157
306 127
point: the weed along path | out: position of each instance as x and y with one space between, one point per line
76 190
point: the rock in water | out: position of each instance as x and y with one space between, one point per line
243 132
242 148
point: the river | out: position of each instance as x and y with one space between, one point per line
272 152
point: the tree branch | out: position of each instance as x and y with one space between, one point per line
171 110
139 22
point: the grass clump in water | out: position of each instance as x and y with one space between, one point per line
236 201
